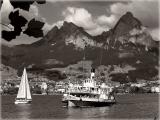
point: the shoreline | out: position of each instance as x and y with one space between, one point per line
119 94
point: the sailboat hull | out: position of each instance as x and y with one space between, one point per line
22 101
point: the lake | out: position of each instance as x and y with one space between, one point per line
128 106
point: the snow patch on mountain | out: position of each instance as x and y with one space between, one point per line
135 31
80 42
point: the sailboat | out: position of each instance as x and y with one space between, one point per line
24 94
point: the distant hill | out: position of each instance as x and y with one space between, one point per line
8 73
127 44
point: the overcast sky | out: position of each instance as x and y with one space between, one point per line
94 17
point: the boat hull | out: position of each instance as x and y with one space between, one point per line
79 103
22 101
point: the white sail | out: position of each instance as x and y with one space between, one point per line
28 89
24 90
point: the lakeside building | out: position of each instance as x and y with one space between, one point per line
60 87
155 89
44 88
138 84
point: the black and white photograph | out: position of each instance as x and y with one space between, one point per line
79 59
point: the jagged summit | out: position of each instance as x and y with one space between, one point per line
70 28
126 23
53 32
70 25
68 33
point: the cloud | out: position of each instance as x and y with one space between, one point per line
155 34
5 11
47 27
97 31
81 17
34 10
109 21
32 13
22 39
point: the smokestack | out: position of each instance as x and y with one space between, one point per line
92 73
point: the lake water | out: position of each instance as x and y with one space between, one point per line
136 106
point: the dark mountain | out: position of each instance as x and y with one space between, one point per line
8 73
127 29
128 43
59 47
126 23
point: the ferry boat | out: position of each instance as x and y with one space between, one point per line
89 94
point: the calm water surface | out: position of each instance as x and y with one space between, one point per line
50 107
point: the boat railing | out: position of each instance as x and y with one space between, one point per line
70 97
89 99
83 91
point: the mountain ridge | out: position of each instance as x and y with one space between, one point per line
126 43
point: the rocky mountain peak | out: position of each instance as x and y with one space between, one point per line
129 19
126 23
53 32
70 27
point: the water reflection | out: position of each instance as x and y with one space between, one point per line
50 107
87 112
23 110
